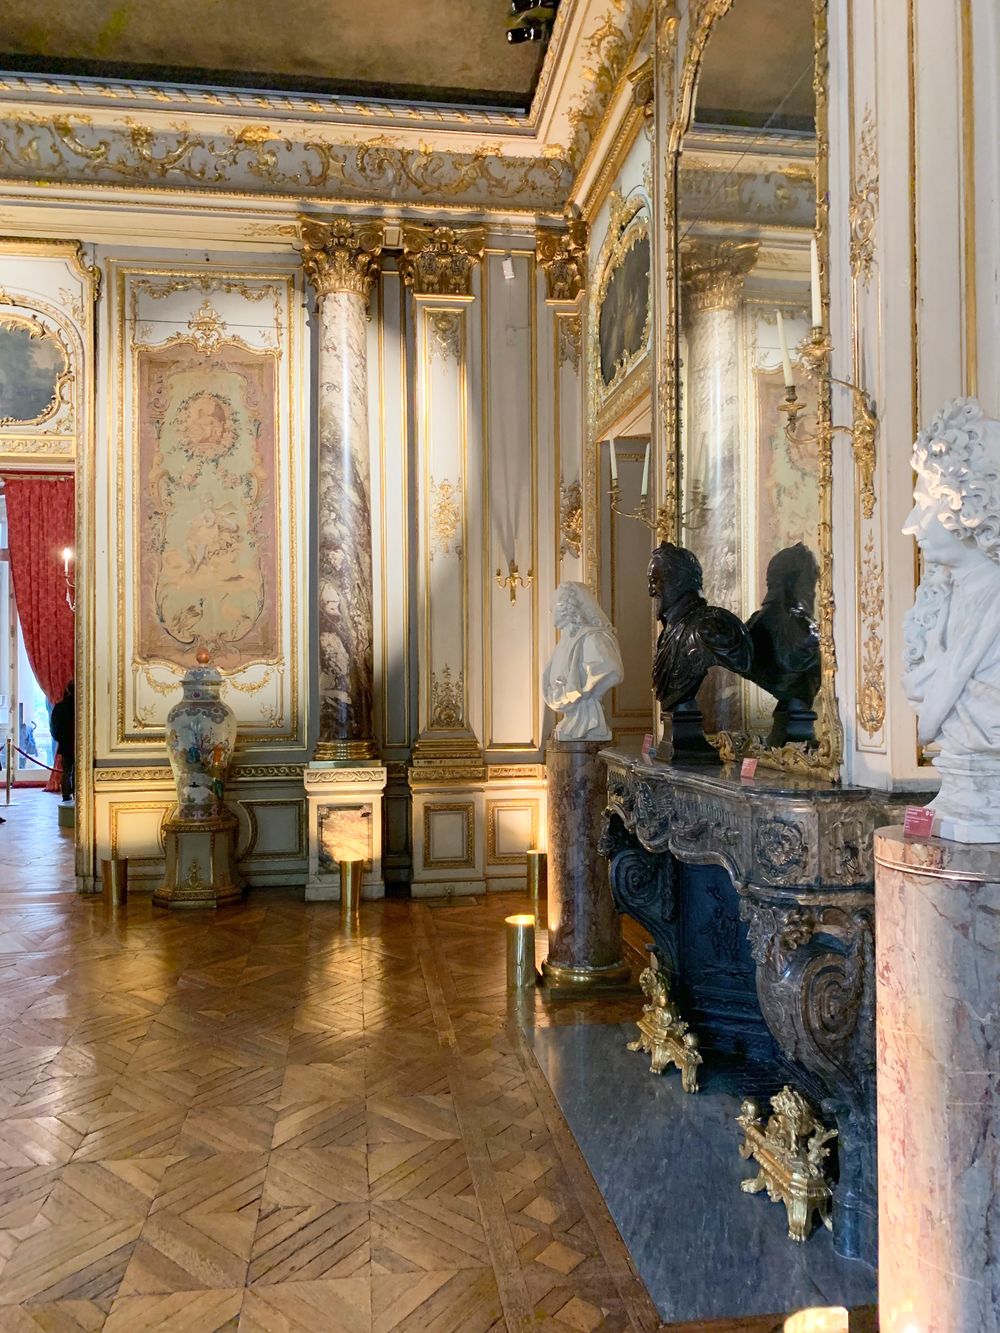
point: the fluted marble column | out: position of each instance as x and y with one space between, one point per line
712 275
341 260
344 782
938 1022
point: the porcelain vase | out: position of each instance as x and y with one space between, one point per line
201 735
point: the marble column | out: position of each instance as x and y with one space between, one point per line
340 257
712 276
938 1024
585 933
341 260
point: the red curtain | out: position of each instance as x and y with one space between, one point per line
40 525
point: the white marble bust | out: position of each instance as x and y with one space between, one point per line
952 634
586 663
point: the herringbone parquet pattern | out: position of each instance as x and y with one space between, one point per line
251 1122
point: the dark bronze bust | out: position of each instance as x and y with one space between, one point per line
786 658
694 638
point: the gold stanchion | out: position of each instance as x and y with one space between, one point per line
538 880
520 951
351 874
9 774
114 875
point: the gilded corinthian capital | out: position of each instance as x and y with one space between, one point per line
563 256
713 272
341 255
439 261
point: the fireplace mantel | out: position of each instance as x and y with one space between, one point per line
799 854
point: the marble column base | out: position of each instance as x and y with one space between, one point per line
200 869
345 824
938 1022
585 933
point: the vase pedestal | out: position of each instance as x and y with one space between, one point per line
200 868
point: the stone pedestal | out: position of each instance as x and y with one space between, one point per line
200 868
345 824
585 934
938 996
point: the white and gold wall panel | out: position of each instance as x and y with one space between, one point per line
132 803
512 670
203 512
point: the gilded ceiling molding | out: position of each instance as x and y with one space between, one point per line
563 256
254 159
863 208
713 272
607 54
340 255
643 88
440 261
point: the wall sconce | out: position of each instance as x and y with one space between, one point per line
641 513
863 430
514 579
67 556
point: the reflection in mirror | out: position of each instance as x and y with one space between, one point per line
750 490
33 366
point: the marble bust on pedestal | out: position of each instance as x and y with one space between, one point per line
952 633
586 663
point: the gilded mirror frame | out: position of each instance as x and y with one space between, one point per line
31 322
683 70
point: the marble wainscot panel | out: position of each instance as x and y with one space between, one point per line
798 853
938 920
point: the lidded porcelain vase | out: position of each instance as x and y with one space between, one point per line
201 735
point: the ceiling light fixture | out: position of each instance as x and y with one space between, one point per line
531 20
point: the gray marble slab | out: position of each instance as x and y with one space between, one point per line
668 1167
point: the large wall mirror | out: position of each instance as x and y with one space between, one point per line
753 483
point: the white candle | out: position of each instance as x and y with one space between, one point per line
614 460
817 300
67 556
645 473
786 363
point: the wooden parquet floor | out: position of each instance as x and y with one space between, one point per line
255 1122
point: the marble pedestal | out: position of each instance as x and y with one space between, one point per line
938 1001
345 824
585 934
200 869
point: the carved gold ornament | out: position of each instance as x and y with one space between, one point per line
607 53
447 700
790 1151
440 261
570 341
340 255
445 517
563 256
445 329
713 273
571 519
871 610
863 208
208 328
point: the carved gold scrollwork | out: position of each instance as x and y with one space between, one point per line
712 274
863 208
570 519
441 260
447 700
340 255
445 517
445 329
563 256
871 608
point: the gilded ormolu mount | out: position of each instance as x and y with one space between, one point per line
663 1034
790 1151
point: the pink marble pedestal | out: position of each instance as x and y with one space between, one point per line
938 996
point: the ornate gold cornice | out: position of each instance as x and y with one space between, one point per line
439 261
643 87
713 272
563 256
340 255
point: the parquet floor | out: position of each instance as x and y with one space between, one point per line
255 1122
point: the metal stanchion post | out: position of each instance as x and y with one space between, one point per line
351 874
520 951
9 774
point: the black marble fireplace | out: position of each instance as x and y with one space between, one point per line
759 895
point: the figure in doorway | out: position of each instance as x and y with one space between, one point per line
63 728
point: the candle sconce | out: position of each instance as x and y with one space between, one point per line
514 579
814 351
70 582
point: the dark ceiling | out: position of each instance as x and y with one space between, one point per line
758 67
412 50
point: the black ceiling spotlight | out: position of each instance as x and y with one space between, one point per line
530 21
